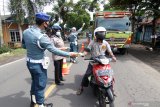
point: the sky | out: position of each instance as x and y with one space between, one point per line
4 10
48 8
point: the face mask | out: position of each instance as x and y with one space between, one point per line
58 34
47 28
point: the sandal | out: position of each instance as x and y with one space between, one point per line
79 91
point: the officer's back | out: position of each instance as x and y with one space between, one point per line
31 35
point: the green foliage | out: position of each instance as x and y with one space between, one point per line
78 17
76 20
16 9
74 15
4 49
108 7
20 8
94 6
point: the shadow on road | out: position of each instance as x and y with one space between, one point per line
68 92
14 100
151 58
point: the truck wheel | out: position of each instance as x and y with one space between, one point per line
122 51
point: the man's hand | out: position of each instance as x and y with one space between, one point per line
83 25
64 48
114 58
73 54
81 54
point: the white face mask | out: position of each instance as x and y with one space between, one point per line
58 34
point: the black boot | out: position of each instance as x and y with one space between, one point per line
46 105
32 104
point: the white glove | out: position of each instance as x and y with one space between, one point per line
81 54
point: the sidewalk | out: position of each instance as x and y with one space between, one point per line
152 58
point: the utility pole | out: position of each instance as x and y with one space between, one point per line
1 34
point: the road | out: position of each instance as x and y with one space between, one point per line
137 85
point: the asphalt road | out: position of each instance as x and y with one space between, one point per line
137 84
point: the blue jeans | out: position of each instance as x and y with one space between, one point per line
73 48
39 81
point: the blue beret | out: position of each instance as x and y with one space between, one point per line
56 27
43 16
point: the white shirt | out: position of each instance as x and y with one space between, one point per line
99 49
58 43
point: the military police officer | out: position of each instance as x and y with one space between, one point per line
73 39
35 42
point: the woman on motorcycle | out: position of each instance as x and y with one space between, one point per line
97 47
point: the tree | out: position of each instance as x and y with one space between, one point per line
21 8
18 12
72 14
94 6
152 8
130 5
138 7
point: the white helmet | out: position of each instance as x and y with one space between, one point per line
99 29
73 28
100 33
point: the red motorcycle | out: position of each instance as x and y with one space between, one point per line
102 80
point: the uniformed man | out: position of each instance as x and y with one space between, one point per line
73 40
58 60
35 42
98 47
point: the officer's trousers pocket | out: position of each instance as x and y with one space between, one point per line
39 76
42 78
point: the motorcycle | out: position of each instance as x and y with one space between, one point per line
102 80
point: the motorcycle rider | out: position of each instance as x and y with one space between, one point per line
97 47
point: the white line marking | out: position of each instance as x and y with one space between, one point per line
11 62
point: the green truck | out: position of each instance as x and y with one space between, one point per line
118 28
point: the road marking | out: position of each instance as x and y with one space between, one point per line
11 62
49 90
69 65
52 86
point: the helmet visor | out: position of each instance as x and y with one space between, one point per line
101 33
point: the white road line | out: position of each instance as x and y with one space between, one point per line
11 62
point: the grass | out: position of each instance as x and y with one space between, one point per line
13 53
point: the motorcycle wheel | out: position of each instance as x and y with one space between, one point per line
111 104
111 98
102 100
95 91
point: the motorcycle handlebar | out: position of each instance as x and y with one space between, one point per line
110 59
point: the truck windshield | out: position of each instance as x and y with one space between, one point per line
114 24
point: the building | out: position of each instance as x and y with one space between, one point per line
11 32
